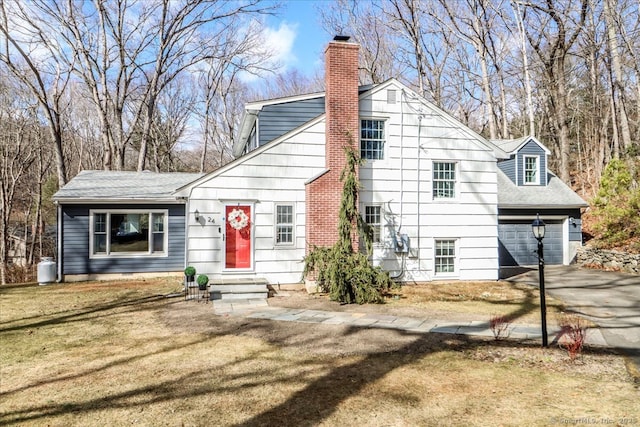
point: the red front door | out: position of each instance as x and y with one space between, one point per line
238 241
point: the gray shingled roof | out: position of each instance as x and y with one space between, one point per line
119 185
509 145
555 195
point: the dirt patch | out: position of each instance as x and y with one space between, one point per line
343 340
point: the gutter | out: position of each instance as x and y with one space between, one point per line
59 242
131 201
501 206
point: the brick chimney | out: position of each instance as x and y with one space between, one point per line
342 127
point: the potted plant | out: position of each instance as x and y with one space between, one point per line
203 281
190 273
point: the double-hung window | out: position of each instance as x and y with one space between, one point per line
372 139
445 257
444 180
128 233
284 225
531 174
373 218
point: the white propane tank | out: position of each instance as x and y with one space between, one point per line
46 271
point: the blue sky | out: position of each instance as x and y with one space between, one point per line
297 34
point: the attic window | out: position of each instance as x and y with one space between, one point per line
391 96
531 168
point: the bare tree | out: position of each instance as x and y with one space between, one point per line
364 21
17 154
470 21
35 61
516 6
552 33
612 22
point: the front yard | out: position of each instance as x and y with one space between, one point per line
124 353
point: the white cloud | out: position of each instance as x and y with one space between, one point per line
279 43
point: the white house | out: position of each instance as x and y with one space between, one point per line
445 203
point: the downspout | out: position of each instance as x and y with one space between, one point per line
397 232
187 208
401 164
418 190
59 242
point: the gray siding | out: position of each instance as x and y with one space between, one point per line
529 149
575 229
509 168
276 120
75 243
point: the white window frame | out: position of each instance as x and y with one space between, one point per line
524 170
382 141
375 226
149 253
276 225
455 257
456 172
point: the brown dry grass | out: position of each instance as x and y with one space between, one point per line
123 353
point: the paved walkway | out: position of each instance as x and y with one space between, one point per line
260 309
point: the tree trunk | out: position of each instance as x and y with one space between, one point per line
617 87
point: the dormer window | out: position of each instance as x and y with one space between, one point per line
531 170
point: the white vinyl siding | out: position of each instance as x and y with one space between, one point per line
274 174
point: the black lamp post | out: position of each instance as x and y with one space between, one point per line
538 228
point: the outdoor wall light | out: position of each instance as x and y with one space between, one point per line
538 228
197 214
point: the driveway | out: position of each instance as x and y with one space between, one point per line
609 299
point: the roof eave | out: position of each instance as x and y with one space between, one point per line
538 206
248 120
127 201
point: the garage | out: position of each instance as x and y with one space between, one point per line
517 246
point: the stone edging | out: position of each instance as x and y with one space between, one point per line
608 260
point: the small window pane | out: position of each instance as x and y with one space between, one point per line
129 233
445 256
100 223
158 232
284 224
373 217
99 233
444 180
372 139
99 243
531 170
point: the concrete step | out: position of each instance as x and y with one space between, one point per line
238 291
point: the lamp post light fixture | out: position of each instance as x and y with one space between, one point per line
538 228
